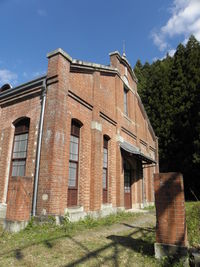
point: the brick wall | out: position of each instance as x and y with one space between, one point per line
90 95
25 107
170 209
19 202
85 95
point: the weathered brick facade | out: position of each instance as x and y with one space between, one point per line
95 96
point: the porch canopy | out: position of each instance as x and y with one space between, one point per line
136 153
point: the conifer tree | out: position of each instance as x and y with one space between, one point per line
170 91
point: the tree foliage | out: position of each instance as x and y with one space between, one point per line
170 91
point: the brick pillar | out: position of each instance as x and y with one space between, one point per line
96 149
96 167
119 178
171 234
19 203
53 179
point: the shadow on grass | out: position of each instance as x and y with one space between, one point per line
116 245
48 244
140 245
18 254
148 229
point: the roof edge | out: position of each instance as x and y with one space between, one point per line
125 61
36 82
61 52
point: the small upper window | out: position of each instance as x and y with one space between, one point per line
126 72
125 101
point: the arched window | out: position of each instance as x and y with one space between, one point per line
19 153
74 163
105 168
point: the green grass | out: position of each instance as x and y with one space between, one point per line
193 223
150 208
91 242
88 242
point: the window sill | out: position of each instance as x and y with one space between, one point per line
74 209
106 206
21 177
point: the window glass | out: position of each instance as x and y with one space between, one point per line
72 174
104 178
105 163
20 148
105 157
125 101
18 168
73 154
74 148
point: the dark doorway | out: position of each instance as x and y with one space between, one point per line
127 186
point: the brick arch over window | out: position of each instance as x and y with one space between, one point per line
20 145
74 162
106 139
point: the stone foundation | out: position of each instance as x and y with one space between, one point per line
3 208
14 226
166 250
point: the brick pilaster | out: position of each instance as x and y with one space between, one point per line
170 209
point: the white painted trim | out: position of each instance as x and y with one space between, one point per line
96 126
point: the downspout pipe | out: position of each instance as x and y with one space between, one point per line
37 165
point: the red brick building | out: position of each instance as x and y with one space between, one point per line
77 140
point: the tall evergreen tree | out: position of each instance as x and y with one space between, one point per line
170 91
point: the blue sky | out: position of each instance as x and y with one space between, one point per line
88 30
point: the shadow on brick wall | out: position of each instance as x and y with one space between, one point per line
170 209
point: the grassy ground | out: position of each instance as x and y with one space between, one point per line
193 223
124 239
112 241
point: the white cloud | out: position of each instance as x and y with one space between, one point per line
6 76
184 20
42 12
25 74
38 73
155 59
171 52
159 41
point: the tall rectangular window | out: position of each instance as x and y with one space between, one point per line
20 145
73 164
105 170
125 101
73 156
